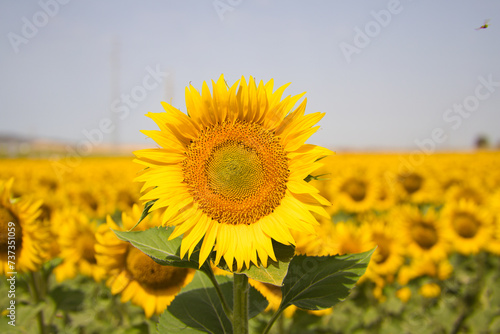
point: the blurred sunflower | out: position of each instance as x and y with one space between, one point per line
334 239
231 172
18 218
418 187
466 191
76 238
134 274
469 227
356 190
348 238
494 208
419 267
430 290
388 257
422 233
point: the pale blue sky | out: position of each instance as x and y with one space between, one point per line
394 91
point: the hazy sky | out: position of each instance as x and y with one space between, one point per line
388 74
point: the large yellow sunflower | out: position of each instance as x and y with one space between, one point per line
134 274
24 240
231 172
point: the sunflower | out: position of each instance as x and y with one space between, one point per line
388 257
134 274
467 191
422 233
76 238
404 294
430 290
419 267
24 239
469 227
355 190
418 186
231 172
494 208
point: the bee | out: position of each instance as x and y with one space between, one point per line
485 25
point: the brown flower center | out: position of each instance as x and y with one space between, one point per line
424 234
85 244
12 234
411 182
355 188
465 224
151 274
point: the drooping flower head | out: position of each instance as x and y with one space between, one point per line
231 172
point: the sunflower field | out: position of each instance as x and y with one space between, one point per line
435 220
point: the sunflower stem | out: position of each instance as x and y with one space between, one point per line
273 319
240 302
223 301
36 299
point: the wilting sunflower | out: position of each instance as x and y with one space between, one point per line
469 227
231 172
76 238
134 274
22 234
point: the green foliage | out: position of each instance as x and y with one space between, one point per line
198 309
154 242
318 282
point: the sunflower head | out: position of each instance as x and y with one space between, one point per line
230 174
19 223
134 274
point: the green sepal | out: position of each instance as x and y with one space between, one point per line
145 212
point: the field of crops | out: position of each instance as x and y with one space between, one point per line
435 220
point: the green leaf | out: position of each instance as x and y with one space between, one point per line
154 242
200 311
145 212
275 271
318 282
